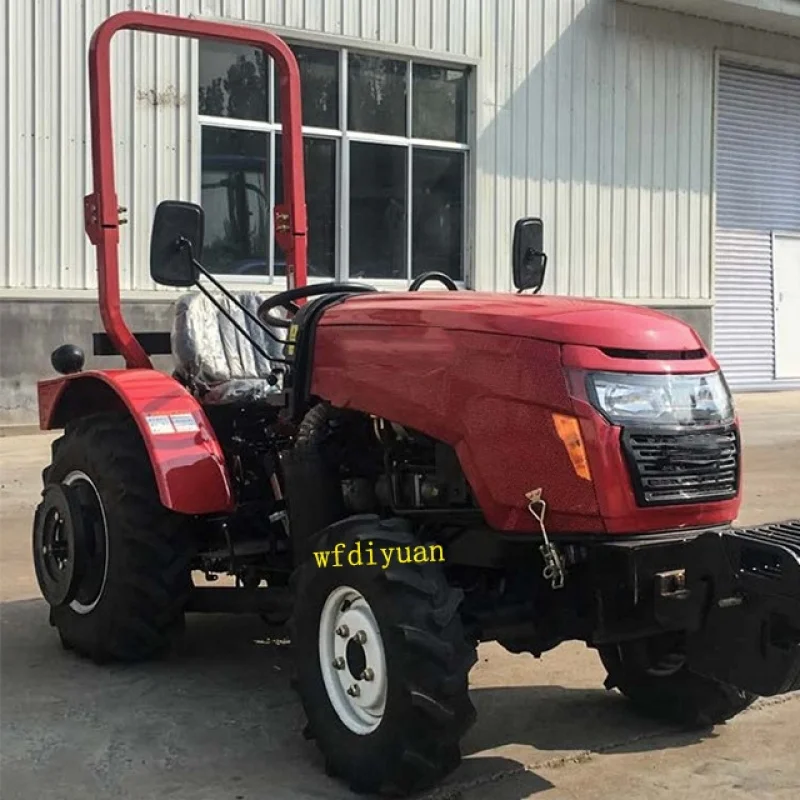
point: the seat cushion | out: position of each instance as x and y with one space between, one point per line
214 358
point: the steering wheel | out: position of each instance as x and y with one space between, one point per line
433 276
286 299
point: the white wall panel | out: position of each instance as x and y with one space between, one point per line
595 114
758 193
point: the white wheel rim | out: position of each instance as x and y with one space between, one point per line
77 476
350 641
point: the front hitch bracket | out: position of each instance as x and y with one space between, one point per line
750 637
733 594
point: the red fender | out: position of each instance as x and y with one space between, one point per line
187 459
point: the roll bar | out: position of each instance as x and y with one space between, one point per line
101 208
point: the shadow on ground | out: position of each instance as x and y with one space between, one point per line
218 720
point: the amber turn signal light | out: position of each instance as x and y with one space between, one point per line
569 431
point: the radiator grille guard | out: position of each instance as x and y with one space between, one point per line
685 466
748 580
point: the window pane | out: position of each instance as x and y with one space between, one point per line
439 101
438 212
320 168
319 87
377 211
233 81
235 197
376 96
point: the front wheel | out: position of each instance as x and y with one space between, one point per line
381 658
653 675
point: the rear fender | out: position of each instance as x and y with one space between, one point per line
186 457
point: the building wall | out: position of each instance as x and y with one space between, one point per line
595 114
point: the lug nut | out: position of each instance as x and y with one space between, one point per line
343 631
368 674
354 691
360 637
338 663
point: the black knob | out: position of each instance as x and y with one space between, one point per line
67 359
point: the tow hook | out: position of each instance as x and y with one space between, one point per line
554 570
672 584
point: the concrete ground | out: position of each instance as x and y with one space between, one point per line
218 722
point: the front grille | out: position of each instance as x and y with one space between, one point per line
687 466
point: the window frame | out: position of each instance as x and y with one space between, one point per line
343 138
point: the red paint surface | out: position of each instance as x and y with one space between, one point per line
564 320
189 467
101 208
489 396
586 357
484 372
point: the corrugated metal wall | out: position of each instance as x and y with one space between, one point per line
758 192
595 114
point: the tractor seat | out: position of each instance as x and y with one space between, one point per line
215 360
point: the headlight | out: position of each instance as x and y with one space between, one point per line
661 399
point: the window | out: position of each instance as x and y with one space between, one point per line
385 145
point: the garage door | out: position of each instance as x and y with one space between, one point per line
758 211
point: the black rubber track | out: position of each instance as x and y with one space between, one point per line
683 698
428 659
149 553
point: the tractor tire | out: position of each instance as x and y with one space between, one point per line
668 691
131 601
402 729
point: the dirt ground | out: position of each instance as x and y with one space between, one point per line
218 721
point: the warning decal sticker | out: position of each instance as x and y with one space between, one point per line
184 423
159 424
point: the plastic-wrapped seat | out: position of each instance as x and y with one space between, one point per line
216 361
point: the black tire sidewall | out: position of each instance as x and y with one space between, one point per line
73 457
384 742
684 698
427 656
148 551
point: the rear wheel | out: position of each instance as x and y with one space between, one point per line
113 563
653 675
382 661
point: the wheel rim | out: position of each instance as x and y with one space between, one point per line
56 551
94 518
353 660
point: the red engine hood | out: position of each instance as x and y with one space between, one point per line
564 320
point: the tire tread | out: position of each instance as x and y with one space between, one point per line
436 658
151 573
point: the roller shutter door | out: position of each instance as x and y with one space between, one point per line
758 195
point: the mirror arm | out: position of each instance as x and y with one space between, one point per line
529 254
184 244
240 328
230 297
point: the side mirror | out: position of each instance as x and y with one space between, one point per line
530 260
176 242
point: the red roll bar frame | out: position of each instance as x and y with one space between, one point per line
101 209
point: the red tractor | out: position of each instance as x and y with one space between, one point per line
401 476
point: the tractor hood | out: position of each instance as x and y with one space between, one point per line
564 320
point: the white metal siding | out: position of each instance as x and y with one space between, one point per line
758 191
594 114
